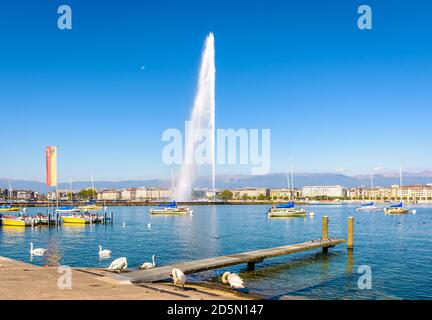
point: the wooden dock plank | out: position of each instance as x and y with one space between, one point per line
162 273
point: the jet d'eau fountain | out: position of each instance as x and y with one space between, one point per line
202 119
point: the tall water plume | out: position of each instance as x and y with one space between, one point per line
203 117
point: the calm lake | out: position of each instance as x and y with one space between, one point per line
398 249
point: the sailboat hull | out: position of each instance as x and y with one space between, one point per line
284 213
396 210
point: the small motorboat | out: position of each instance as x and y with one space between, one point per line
8 208
284 210
16 221
76 219
170 209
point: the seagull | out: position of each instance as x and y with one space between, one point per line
149 225
233 279
179 278
104 253
149 265
124 224
118 265
37 251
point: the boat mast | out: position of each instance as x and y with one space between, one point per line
71 193
10 192
288 183
400 183
93 189
292 183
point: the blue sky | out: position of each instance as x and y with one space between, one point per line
335 98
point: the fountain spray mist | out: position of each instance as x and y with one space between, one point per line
203 117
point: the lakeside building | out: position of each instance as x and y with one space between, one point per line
144 194
324 191
423 192
129 194
284 193
63 195
250 192
108 195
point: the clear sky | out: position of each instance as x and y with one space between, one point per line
335 98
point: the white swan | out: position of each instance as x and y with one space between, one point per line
37 251
104 253
118 264
149 265
233 280
179 278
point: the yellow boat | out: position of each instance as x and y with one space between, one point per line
15 221
8 208
75 219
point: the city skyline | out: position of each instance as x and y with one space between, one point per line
346 101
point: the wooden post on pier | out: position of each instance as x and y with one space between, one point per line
324 232
350 241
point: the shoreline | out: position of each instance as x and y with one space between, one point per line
193 203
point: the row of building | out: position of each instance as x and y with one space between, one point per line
423 192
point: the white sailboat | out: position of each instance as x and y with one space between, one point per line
368 206
287 209
397 208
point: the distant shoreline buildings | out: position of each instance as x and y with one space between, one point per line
329 192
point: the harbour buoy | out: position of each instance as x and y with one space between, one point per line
414 211
312 214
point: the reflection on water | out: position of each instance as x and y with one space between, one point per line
382 242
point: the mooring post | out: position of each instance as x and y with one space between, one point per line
104 220
324 236
49 219
350 241
111 217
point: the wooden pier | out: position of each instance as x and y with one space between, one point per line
250 258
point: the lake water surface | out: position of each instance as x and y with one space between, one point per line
398 249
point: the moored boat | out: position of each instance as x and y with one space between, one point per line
286 210
16 221
370 206
67 209
170 209
8 208
90 206
75 219
396 209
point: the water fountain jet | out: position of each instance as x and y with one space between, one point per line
202 118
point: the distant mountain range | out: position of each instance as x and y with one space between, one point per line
277 180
